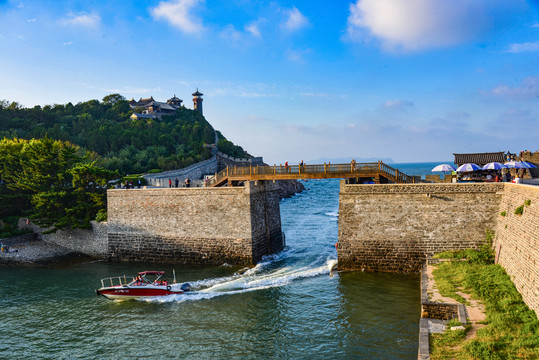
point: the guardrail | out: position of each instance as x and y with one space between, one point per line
115 281
347 170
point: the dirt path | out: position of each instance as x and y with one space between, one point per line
475 310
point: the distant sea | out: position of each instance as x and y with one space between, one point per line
420 168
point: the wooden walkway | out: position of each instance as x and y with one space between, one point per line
378 172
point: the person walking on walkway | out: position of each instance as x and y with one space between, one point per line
176 182
169 183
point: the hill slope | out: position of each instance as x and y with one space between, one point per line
118 142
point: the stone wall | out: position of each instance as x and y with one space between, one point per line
517 240
194 225
224 160
395 227
193 172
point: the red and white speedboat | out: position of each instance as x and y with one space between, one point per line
147 284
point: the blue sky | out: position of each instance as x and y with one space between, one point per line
411 80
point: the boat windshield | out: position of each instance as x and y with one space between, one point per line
147 277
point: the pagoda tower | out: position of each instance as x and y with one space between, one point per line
197 101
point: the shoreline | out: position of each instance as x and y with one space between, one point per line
39 253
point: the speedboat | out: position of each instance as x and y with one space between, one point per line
147 284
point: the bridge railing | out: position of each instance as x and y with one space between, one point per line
328 168
395 173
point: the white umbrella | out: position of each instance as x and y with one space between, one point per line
494 166
528 165
514 164
468 167
443 167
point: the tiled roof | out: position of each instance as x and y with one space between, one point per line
479 158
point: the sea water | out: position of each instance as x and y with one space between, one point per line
289 306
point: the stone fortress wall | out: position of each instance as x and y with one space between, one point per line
396 227
517 239
197 171
197 225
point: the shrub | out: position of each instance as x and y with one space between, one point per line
503 213
527 202
101 215
519 210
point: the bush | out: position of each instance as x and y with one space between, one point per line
101 215
519 210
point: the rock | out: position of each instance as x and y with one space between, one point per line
458 327
289 188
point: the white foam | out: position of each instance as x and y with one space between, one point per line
258 278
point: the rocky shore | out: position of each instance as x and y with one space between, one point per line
29 251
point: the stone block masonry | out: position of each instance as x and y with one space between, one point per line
517 240
195 225
395 227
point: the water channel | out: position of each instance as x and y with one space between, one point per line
287 307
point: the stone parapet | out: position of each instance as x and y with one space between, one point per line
395 227
236 225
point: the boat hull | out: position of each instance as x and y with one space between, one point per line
135 292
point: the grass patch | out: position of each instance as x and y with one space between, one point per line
528 202
512 329
503 213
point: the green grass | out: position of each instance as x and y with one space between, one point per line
512 329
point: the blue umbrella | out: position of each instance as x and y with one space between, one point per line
468 167
514 164
494 166
528 165
443 167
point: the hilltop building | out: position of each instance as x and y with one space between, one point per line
154 109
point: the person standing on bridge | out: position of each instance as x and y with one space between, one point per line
176 182
301 166
169 183
353 165
286 166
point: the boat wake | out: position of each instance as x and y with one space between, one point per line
267 274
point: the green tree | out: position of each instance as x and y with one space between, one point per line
63 188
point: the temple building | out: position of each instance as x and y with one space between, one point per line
154 109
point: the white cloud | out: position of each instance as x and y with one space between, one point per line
83 19
230 33
398 105
528 89
31 20
295 20
253 29
68 43
415 25
523 47
178 14
297 56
